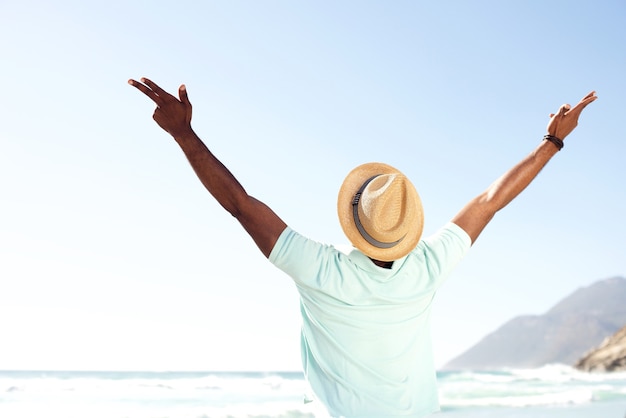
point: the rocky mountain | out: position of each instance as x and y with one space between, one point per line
564 334
610 356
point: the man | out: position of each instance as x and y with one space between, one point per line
366 347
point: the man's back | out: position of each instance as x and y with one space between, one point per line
366 343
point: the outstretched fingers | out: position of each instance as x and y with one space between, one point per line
588 99
566 108
148 91
591 96
584 102
154 87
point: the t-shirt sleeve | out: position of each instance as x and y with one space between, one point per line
444 250
305 260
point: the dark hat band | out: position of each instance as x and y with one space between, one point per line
359 226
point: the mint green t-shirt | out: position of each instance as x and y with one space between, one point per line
366 344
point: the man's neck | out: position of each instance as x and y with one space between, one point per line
383 264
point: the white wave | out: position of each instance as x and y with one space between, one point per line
567 397
119 410
555 384
564 373
210 396
488 377
548 373
275 395
270 383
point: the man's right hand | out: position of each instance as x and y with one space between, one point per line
172 114
479 211
564 122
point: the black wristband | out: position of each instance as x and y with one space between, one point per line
558 143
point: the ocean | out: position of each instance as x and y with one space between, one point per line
551 391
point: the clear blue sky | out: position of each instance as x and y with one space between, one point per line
113 256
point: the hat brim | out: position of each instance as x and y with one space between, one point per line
353 181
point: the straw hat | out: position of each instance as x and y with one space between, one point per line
380 211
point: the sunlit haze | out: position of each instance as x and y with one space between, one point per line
114 257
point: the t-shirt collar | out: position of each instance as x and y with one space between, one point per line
367 264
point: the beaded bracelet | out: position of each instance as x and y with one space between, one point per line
556 141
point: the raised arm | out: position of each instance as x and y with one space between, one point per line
479 211
174 116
